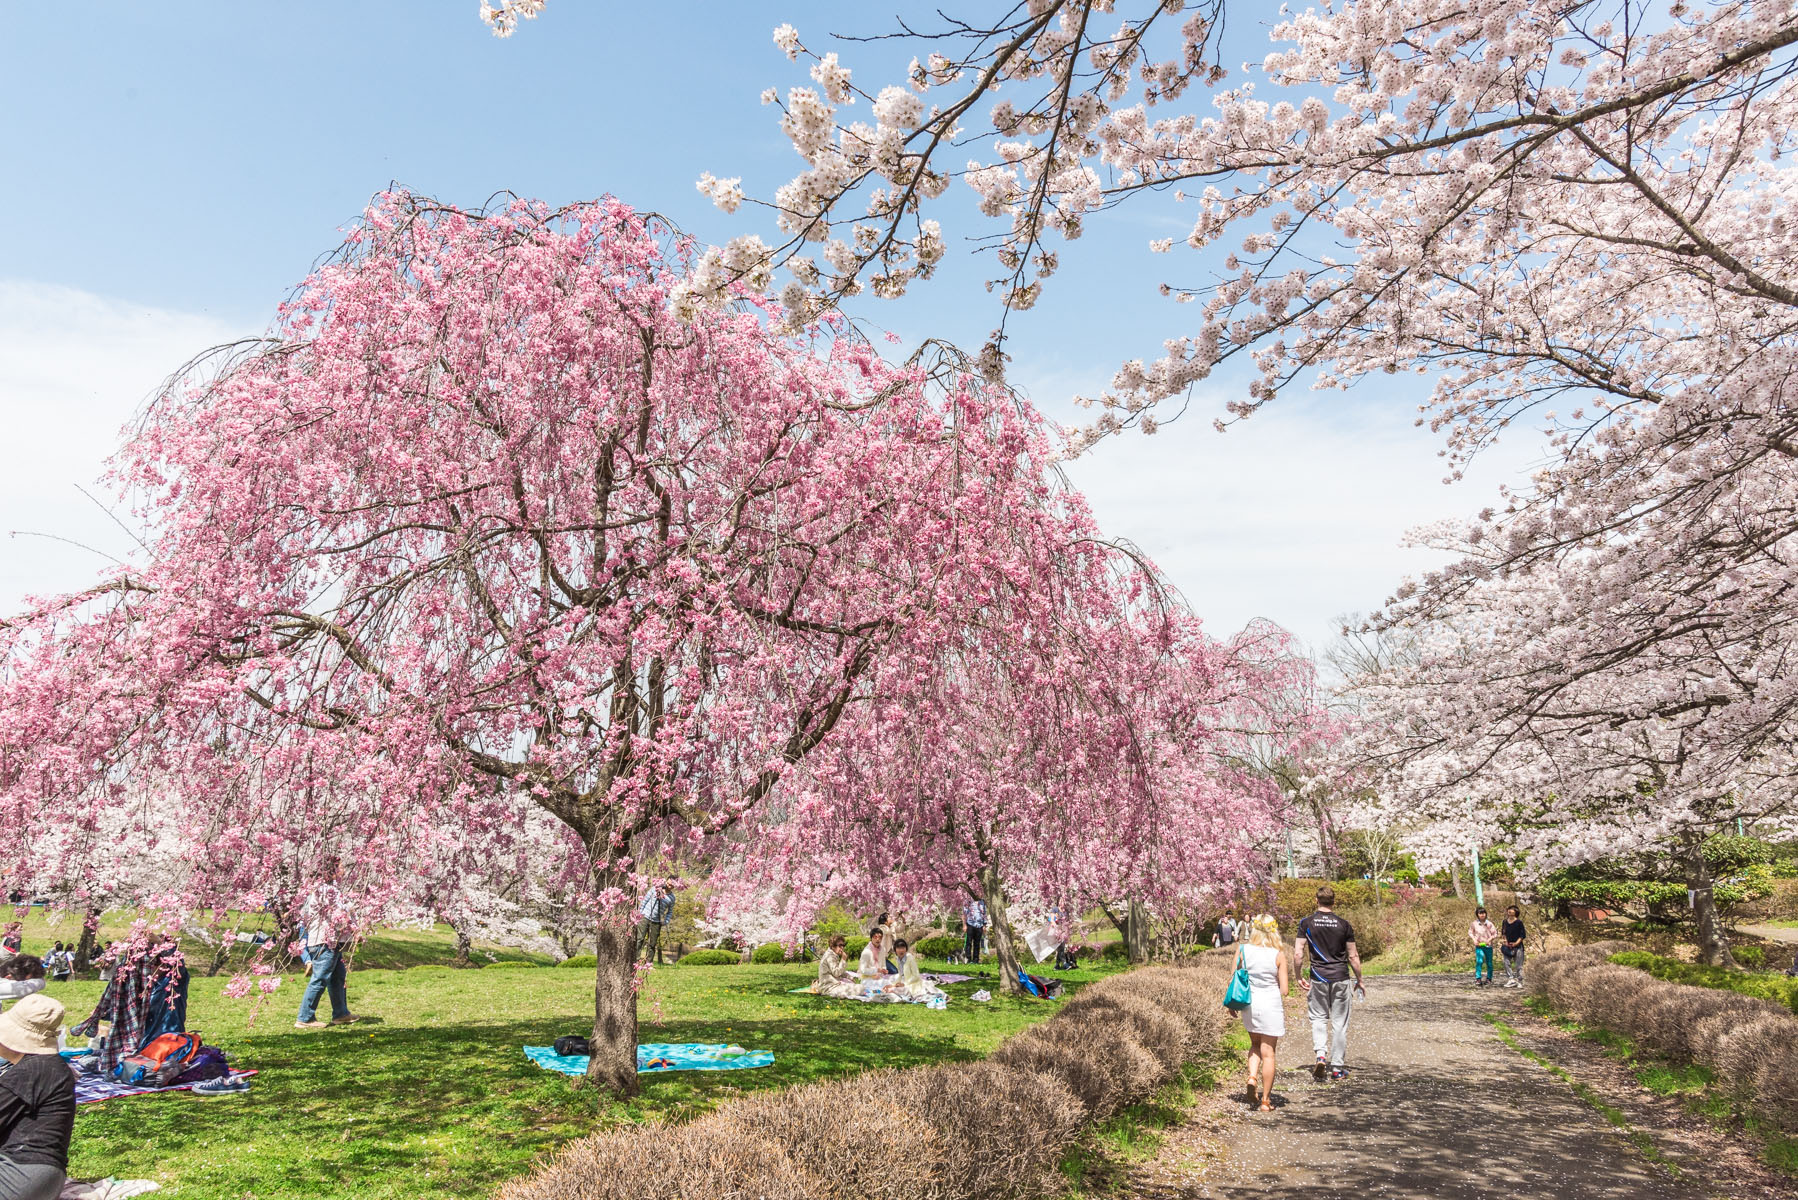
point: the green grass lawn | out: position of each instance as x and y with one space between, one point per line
433 1097
385 949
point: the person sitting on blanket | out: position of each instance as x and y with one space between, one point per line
37 1102
912 984
874 960
834 978
23 976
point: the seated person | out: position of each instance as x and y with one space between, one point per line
912 984
37 1102
834 978
873 963
23 976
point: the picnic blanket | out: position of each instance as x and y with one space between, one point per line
939 980
91 1089
662 1056
107 1189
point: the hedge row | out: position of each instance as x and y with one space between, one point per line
958 1131
1751 1044
1777 988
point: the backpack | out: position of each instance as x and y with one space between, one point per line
162 1059
1036 985
572 1046
209 1063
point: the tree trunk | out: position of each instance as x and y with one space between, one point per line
1454 877
1713 947
84 949
998 923
464 944
1136 932
613 1065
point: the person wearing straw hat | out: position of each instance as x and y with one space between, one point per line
37 1102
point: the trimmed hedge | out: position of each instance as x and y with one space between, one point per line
1750 1044
509 966
769 952
1777 988
579 961
938 947
963 1131
711 958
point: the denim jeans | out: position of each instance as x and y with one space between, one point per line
28 1181
327 974
1482 963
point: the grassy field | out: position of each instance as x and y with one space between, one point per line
432 1096
386 949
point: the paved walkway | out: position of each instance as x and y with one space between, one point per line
1436 1106
1773 933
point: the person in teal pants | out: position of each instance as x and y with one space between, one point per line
1484 933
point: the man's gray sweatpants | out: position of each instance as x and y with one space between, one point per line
1329 1005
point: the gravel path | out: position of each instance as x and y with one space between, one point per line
1435 1106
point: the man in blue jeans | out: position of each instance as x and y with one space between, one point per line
324 952
973 919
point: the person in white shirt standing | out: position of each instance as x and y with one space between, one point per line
327 937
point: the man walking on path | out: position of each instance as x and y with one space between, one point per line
1512 932
1330 942
326 940
656 911
1484 933
973 919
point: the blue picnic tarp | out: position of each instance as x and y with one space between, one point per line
662 1056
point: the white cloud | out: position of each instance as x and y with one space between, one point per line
74 367
1295 515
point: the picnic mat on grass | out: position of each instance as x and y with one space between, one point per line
91 1089
661 1056
938 979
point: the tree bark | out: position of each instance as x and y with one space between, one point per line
998 923
1454 876
464 944
1136 932
613 1065
1713 946
84 949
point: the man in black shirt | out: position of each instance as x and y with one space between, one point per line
37 1102
1329 941
1511 935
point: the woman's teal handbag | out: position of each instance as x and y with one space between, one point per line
1238 996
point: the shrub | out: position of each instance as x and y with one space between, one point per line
1294 898
580 962
1751 1043
1027 1120
706 1157
1161 1033
1114 952
508 966
835 1125
939 947
712 958
854 947
1752 957
769 952
1777 988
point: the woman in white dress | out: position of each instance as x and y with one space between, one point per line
1265 1018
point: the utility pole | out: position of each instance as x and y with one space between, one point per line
1291 871
1479 890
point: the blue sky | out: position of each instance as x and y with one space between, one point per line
174 171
